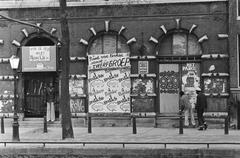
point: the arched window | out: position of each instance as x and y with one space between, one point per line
40 41
178 71
109 44
109 75
179 44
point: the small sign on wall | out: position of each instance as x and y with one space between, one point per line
38 58
142 67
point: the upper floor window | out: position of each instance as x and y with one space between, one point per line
109 44
179 44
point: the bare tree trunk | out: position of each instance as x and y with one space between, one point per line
67 130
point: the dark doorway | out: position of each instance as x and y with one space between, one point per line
35 84
34 92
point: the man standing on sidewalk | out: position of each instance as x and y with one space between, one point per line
186 106
201 105
50 97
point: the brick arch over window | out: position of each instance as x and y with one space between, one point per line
179 44
108 73
108 43
38 39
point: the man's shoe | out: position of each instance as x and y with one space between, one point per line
205 126
200 128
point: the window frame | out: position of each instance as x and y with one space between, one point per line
238 9
101 35
171 35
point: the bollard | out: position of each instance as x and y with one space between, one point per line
238 114
180 123
2 125
45 125
134 125
89 124
226 126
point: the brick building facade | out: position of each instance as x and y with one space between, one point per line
128 58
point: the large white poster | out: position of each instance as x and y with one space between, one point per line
109 83
191 80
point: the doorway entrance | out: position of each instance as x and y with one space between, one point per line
174 78
35 83
34 91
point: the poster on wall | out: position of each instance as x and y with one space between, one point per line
7 94
38 58
109 83
142 86
142 67
76 87
77 106
168 82
6 106
215 85
191 80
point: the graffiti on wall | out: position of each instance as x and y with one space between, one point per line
109 83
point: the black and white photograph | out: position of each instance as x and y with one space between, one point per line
120 78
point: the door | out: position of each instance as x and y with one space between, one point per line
34 96
169 88
171 76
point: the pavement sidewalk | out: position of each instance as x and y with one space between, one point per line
124 134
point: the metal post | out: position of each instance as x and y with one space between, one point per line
45 125
2 125
89 124
238 115
226 131
155 122
226 126
15 116
180 123
134 125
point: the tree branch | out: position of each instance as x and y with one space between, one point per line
30 24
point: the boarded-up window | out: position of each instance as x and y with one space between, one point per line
109 75
179 44
109 44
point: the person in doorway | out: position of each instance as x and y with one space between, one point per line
50 98
201 106
186 107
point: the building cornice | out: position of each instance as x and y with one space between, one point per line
8 4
